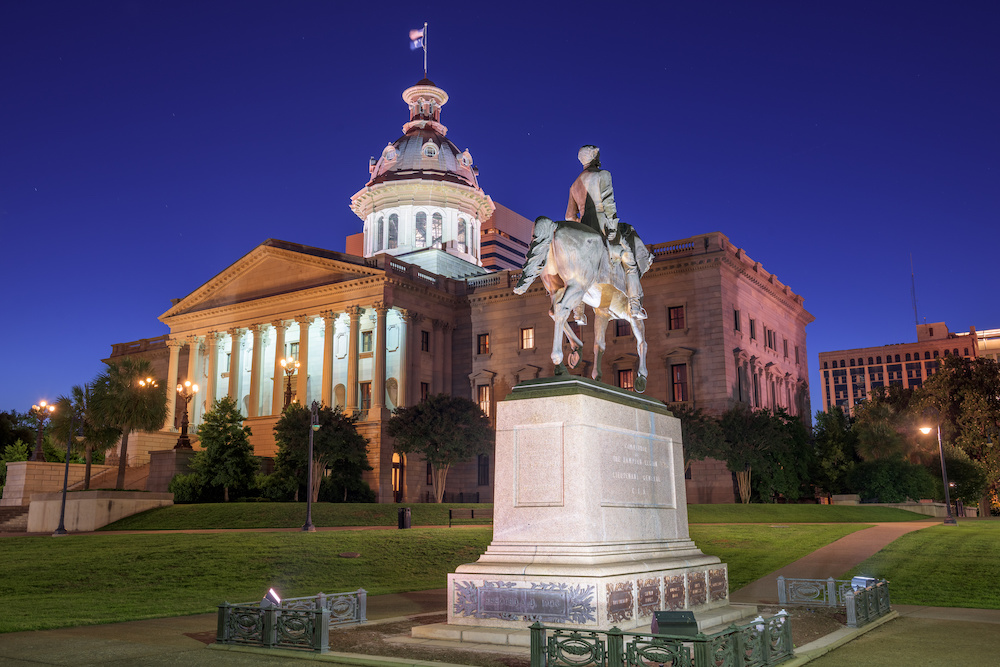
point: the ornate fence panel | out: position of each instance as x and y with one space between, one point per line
762 643
864 605
815 592
274 627
350 607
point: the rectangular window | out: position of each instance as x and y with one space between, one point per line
365 395
483 470
528 338
366 341
483 343
430 475
753 329
623 328
626 379
425 341
484 398
293 351
679 375
425 390
675 316
796 354
736 320
784 344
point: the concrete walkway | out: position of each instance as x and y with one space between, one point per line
833 560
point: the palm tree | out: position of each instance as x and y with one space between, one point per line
91 436
128 398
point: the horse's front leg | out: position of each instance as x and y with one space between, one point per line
639 331
601 317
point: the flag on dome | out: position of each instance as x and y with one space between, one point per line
416 39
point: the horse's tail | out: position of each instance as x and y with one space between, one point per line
541 239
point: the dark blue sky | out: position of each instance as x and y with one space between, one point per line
145 146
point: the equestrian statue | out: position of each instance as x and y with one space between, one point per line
590 258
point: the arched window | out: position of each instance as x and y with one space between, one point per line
965 352
907 356
826 364
852 363
870 362
878 360
393 231
420 239
927 354
460 240
955 352
935 354
380 238
842 363
436 229
897 358
946 353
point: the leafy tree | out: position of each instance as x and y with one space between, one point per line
227 459
15 426
91 434
775 446
128 398
700 433
968 478
964 395
337 445
15 451
884 424
445 430
891 480
835 445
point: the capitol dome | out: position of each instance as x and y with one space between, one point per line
424 194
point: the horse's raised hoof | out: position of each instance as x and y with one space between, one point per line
640 384
561 369
574 358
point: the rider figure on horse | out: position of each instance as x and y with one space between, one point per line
592 203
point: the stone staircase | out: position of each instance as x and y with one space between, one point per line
13 519
135 479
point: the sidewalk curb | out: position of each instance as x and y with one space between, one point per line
335 658
833 641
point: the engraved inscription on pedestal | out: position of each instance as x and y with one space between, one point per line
673 588
697 594
649 595
718 587
619 601
636 471
548 603
538 461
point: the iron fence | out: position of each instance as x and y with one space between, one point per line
761 643
863 604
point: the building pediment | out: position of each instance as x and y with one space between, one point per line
271 269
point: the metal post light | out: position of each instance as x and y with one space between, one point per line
313 427
949 520
41 412
290 366
186 391
61 530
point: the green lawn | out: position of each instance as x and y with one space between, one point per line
773 513
286 515
942 566
754 551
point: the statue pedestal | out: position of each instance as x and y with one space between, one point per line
590 515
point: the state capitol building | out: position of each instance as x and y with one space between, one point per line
421 302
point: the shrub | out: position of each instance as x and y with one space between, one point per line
891 480
186 488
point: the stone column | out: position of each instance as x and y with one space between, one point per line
329 319
378 370
195 411
302 375
234 364
254 408
212 372
437 352
174 346
278 393
352 358
405 341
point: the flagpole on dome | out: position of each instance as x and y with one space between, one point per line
418 40
425 49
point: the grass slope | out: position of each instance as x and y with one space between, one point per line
285 515
773 513
942 566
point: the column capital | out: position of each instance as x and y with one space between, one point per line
176 343
410 315
305 319
279 324
329 315
210 337
439 324
256 329
355 311
381 307
236 331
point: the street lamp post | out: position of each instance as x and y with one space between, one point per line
186 391
950 519
290 366
313 427
61 530
41 412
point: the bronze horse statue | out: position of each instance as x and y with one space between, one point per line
578 270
